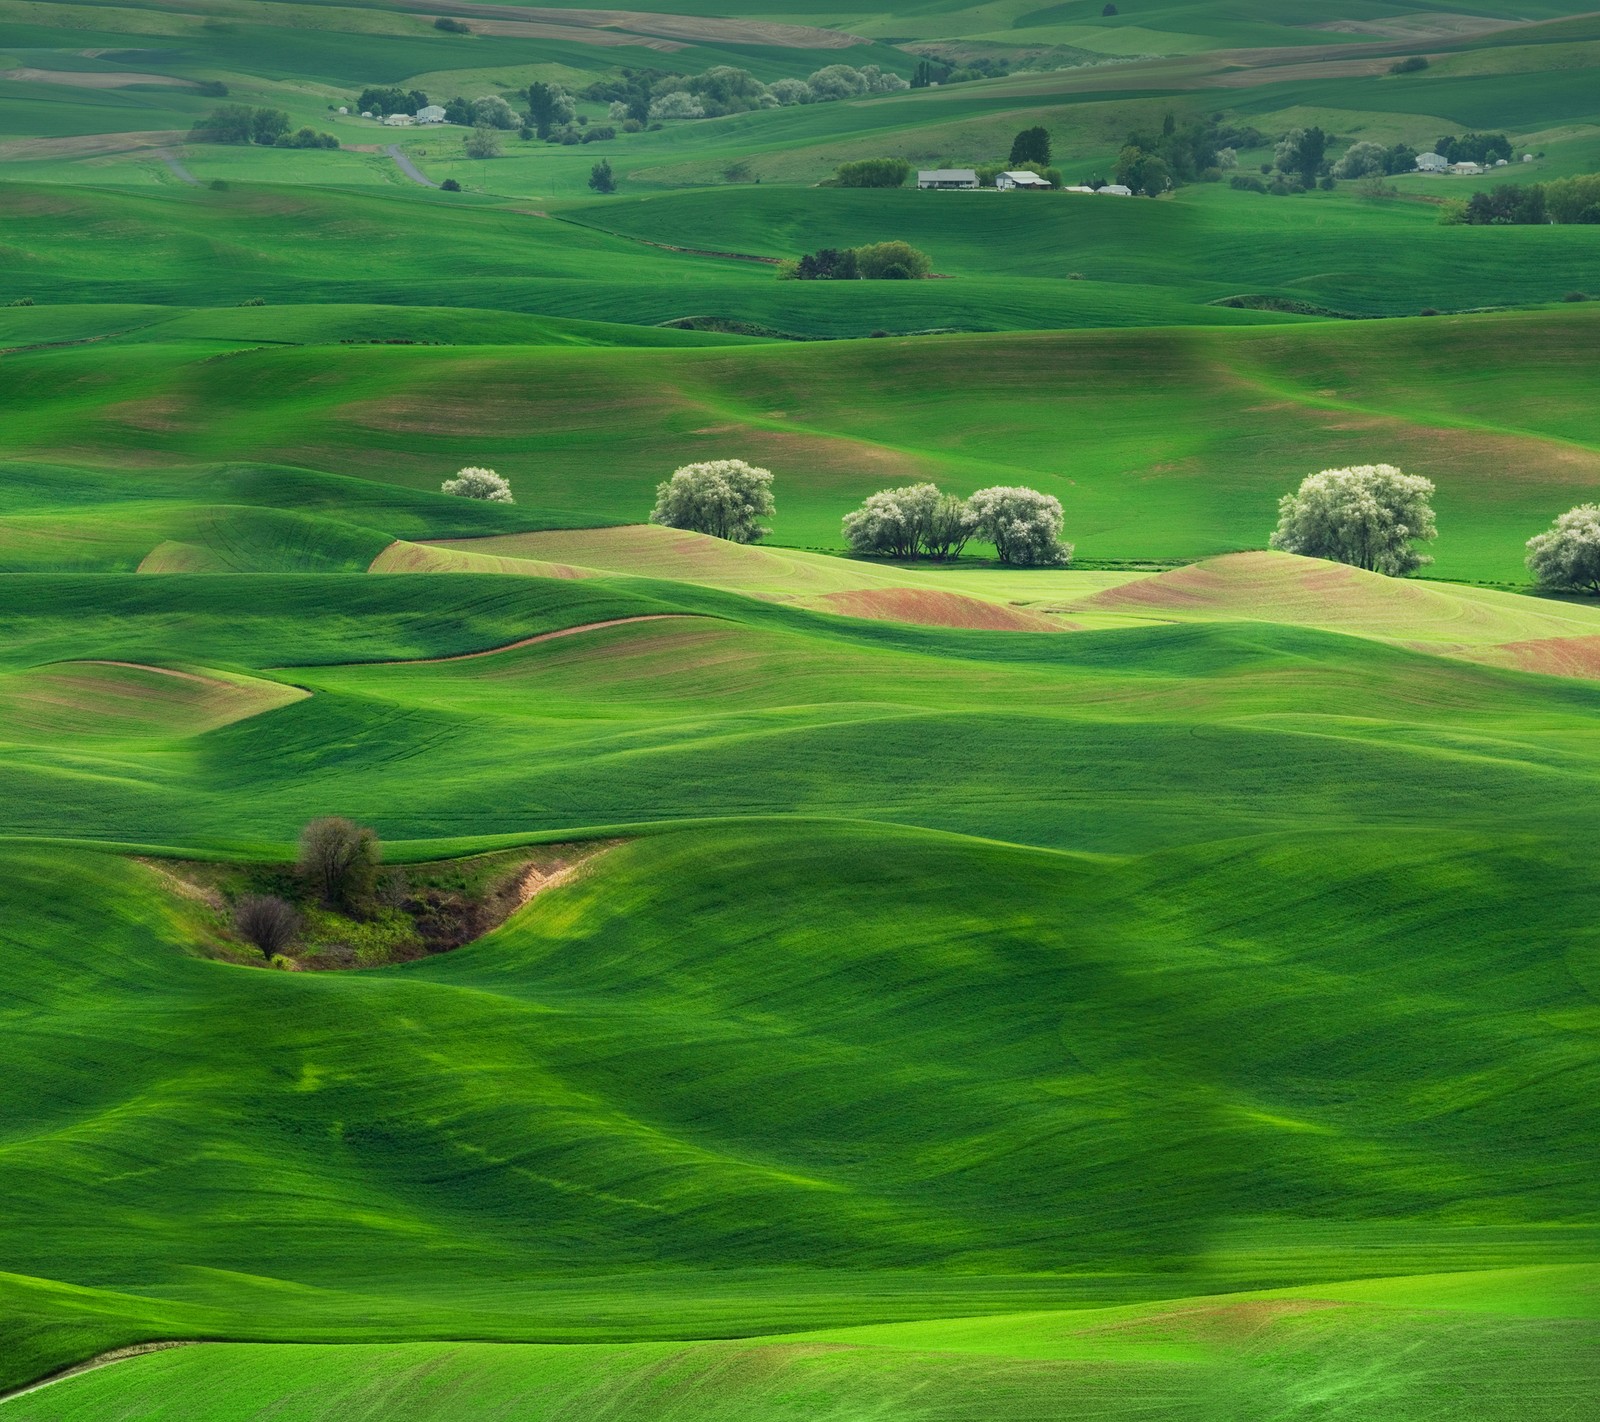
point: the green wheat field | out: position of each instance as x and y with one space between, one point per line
1162 988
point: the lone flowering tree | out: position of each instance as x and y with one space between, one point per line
1023 524
1567 554
1367 516
474 483
725 498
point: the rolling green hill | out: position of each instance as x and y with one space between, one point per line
1160 988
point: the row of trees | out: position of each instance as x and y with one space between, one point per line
1371 516
728 498
640 96
918 521
1564 201
877 261
1198 150
239 123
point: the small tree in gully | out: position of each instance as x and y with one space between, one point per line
267 921
339 861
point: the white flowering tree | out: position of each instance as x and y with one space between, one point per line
1369 516
910 522
726 498
791 91
677 105
1023 524
1567 555
475 483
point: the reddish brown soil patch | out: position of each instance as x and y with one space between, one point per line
1553 656
88 145
931 608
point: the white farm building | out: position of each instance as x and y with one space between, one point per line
1116 190
1432 163
398 120
947 178
430 113
1007 182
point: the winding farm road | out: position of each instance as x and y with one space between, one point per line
181 173
409 168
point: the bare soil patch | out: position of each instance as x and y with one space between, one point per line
1422 26
81 79
1553 656
690 29
87 145
929 607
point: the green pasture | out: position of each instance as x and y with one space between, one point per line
1161 444
1164 988
1515 1348
517 1141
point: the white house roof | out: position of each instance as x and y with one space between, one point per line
1078 188
1116 189
947 175
1026 179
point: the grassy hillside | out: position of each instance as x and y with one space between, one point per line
1123 427
304 1124
1504 1344
1160 988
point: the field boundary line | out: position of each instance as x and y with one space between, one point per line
94 1364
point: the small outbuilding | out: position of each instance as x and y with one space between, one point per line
947 178
1077 188
1116 190
1007 182
1432 163
431 113
1527 157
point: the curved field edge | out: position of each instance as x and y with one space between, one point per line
1415 1343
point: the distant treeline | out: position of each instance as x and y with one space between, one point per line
1565 201
239 123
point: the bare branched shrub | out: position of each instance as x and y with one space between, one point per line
266 921
339 860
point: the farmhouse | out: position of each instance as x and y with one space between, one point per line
431 113
1116 190
1431 163
1466 170
398 120
1008 181
947 178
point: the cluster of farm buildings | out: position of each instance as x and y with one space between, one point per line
1434 163
964 178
